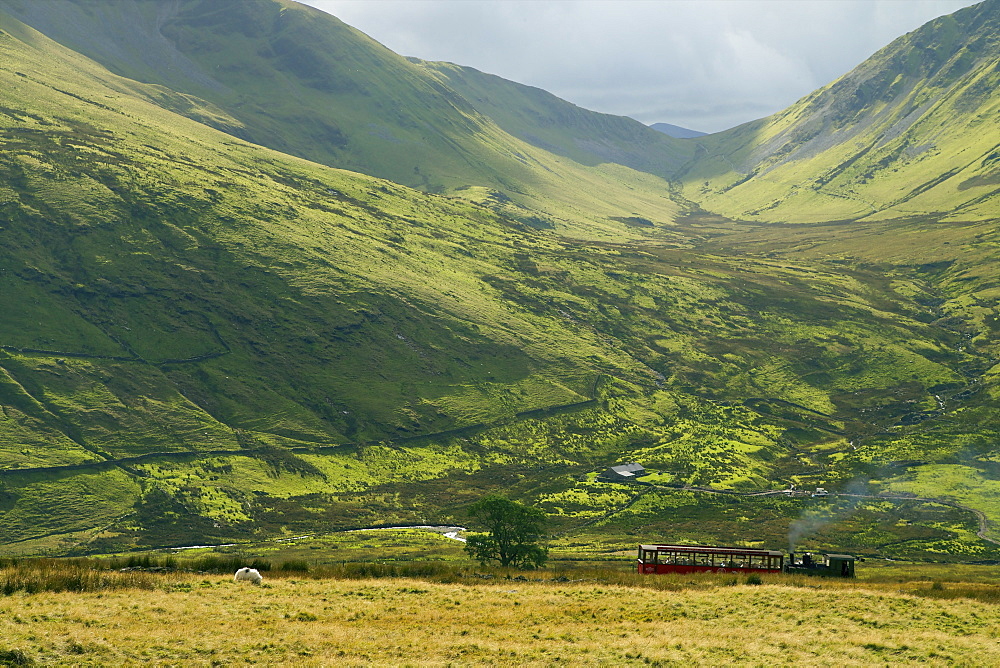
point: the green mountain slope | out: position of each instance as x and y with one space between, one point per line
912 131
543 120
297 80
205 340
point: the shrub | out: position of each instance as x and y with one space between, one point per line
51 575
295 565
15 657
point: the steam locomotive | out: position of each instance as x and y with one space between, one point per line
829 565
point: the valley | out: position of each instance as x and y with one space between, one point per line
233 315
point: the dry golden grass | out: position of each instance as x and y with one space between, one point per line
210 620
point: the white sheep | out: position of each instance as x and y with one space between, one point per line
251 574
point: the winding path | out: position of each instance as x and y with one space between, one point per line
984 523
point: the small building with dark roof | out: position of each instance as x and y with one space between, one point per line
623 473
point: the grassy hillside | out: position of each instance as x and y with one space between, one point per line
297 80
911 132
205 340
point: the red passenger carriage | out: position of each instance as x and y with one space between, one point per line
704 559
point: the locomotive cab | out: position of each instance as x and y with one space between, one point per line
827 565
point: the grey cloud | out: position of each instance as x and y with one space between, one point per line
703 64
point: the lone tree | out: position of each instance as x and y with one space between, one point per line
513 530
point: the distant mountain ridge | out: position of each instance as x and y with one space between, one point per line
677 131
321 90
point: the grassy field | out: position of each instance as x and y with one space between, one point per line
896 614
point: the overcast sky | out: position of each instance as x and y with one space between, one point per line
701 64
